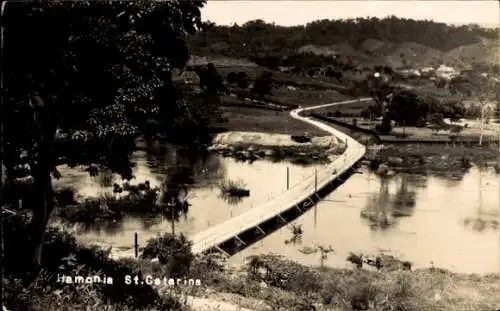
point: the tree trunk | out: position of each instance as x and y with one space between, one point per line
44 195
41 172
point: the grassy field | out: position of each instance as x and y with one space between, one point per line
308 97
260 120
429 289
347 109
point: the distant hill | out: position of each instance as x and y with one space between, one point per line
342 49
392 41
487 50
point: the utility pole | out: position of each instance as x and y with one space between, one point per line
315 191
315 180
483 108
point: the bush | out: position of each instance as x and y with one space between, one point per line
140 200
233 188
300 139
172 251
62 255
385 127
242 80
232 78
284 274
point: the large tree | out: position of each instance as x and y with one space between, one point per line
81 81
407 108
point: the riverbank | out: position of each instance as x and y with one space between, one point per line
251 146
264 284
442 159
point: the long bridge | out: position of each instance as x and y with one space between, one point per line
238 232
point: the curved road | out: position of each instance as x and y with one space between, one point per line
220 233
350 141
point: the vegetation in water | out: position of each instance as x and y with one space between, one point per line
233 188
139 200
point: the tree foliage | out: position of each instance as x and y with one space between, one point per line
173 251
264 41
407 108
232 78
263 85
83 80
242 80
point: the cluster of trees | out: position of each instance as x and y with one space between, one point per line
83 80
262 86
256 37
416 107
407 107
411 109
239 79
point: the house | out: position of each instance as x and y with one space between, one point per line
427 71
286 69
446 72
409 73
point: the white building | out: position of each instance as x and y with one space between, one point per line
446 72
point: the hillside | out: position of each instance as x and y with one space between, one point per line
342 49
487 50
372 52
390 41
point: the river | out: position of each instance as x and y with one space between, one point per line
426 219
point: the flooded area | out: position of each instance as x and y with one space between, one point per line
264 179
428 220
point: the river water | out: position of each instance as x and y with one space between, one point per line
426 219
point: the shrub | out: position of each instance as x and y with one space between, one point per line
284 274
62 255
301 139
385 127
232 78
233 188
172 251
242 80
141 199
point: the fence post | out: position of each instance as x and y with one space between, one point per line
136 245
287 178
315 180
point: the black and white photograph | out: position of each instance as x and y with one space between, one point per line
194 155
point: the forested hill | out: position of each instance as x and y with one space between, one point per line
257 37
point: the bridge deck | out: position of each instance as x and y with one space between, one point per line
220 233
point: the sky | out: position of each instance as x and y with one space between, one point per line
289 13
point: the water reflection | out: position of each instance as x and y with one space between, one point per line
405 198
425 213
163 179
187 176
230 199
382 209
106 227
377 210
484 219
432 229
